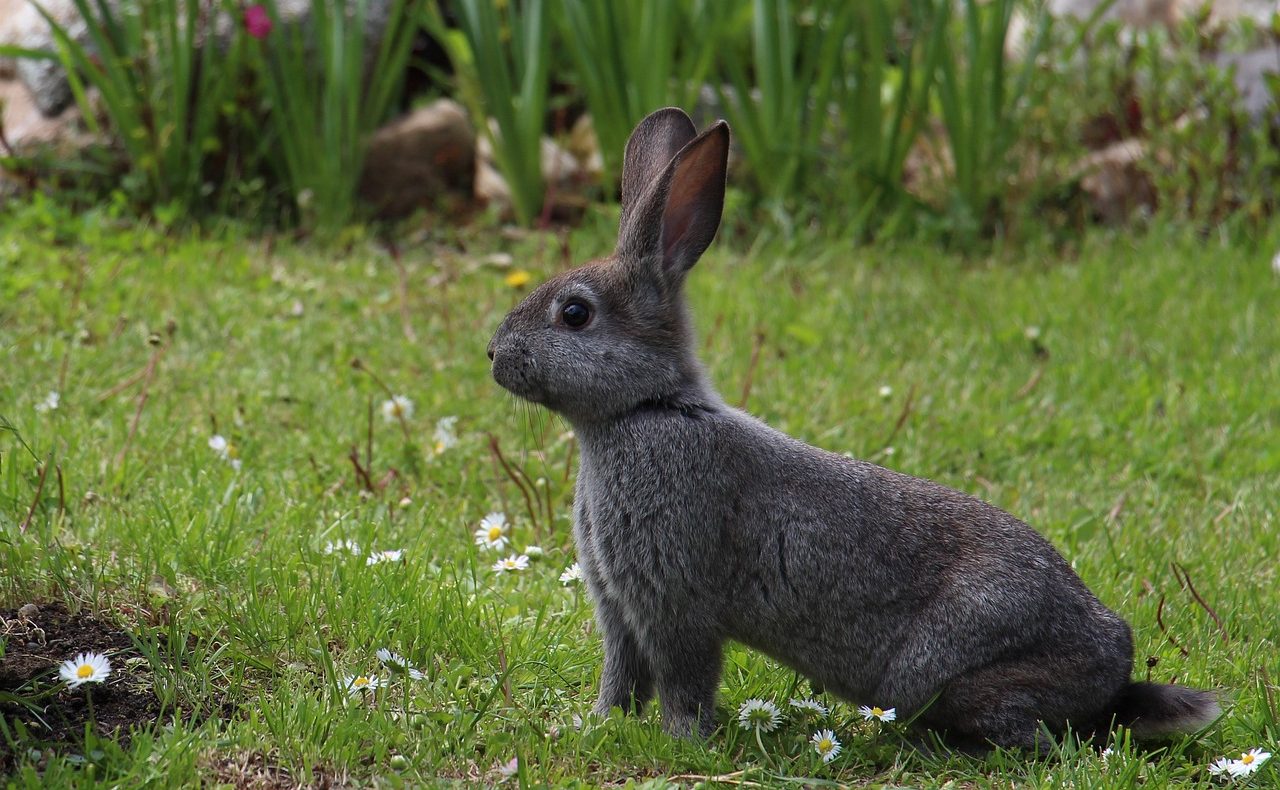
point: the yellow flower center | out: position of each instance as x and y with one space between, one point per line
1247 758
825 745
396 409
361 682
85 671
439 447
877 712
232 452
494 533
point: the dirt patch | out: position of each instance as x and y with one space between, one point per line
35 643
254 772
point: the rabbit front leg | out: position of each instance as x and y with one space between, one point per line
687 665
627 679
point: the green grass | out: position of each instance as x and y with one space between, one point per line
1138 430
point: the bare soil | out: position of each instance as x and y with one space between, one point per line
34 644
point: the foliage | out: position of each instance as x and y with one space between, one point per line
162 91
631 58
502 59
328 92
1135 427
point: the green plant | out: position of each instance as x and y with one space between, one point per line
162 89
781 115
980 103
632 58
502 59
327 95
884 105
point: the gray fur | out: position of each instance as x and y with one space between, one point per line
696 524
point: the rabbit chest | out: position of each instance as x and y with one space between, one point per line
647 525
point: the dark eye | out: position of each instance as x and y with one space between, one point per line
575 315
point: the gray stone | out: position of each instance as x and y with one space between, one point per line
415 160
1251 72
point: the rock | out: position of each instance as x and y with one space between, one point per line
1251 72
414 160
564 177
1115 181
23 26
24 123
585 147
28 611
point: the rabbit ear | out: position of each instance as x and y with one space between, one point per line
678 215
651 147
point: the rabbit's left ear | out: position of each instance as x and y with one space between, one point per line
677 217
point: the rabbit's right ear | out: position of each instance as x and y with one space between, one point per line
671 209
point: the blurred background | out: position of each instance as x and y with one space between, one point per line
956 121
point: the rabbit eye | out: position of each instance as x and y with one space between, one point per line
575 315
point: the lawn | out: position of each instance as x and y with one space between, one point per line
1123 399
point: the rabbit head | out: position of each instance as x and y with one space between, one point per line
602 339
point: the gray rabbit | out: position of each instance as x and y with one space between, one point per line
696 523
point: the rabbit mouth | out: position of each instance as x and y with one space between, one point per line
514 372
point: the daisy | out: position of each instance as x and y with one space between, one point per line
225 450
444 436
886 392
759 715
571 574
1220 766
492 533
50 402
533 552
397 663
354 684
1107 752
386 555
512 563
1249 762
85 668
878 713
826 745
398 408
810 705
349 546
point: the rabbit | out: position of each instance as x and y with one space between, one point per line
696 523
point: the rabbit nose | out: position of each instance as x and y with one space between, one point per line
490 351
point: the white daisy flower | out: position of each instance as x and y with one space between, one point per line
492 533
571 574
1221 766
1249 762
870 713
1106 753
50 402
826 744
355 684
398 408
348 546
758 714
810 705
445 437
386 555
85 668
397 663
1032 333
886 391
512 563
225 450
533 552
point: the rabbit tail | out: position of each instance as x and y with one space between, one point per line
1158 710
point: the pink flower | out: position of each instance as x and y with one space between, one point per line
257 22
